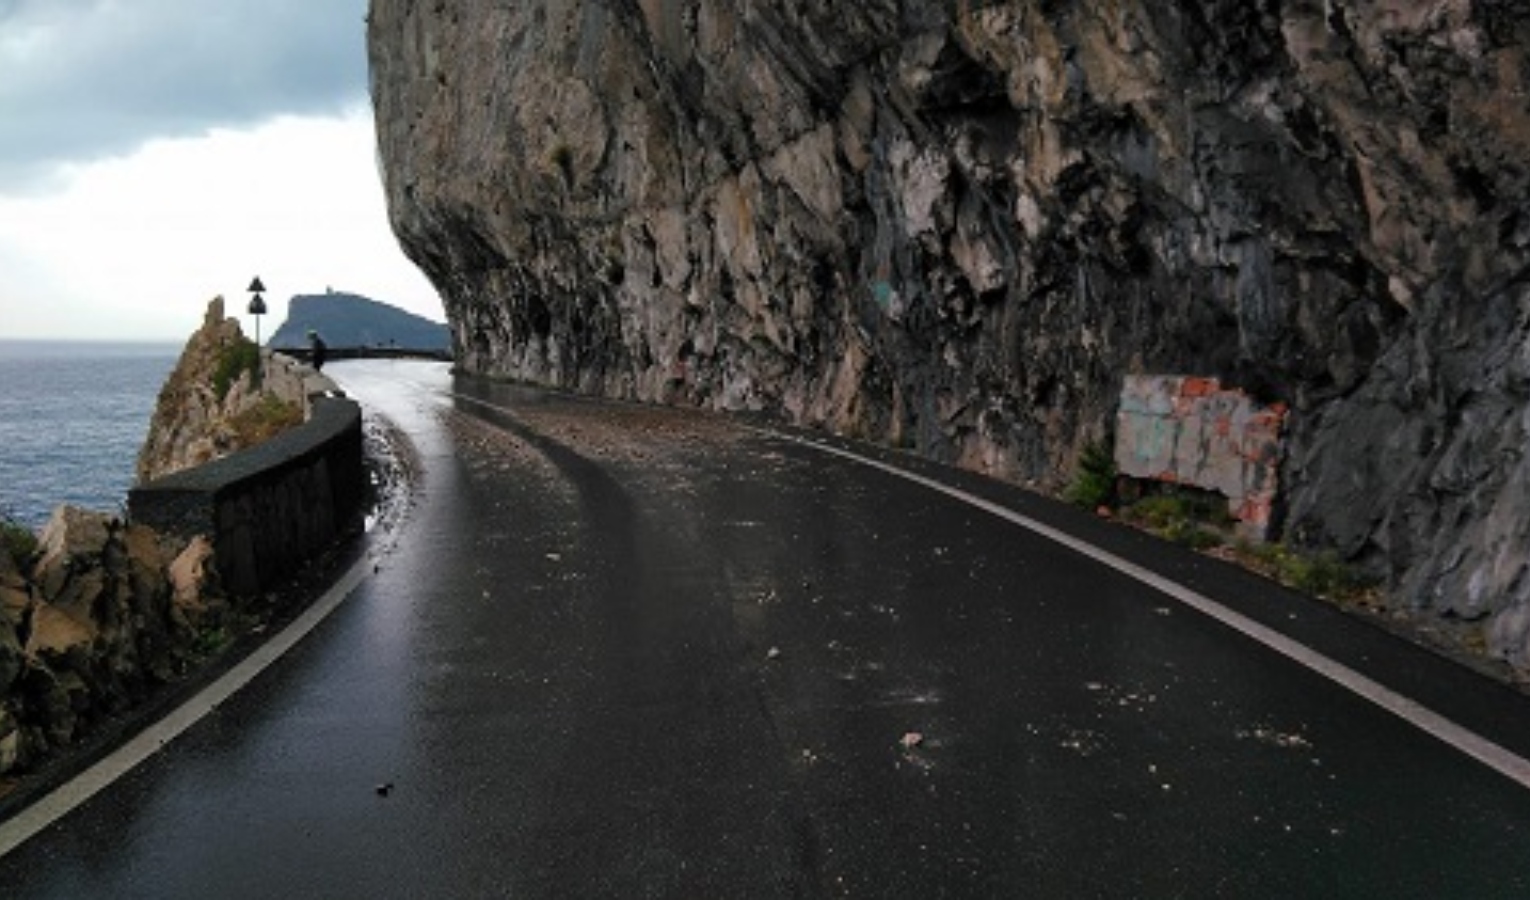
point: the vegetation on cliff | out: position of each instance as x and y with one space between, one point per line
237 361
16 540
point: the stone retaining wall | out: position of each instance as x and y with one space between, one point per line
270 508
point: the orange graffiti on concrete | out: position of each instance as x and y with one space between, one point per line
1186 430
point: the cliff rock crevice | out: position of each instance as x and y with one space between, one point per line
957 226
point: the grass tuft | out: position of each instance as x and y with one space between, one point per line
17 540
1197 519
1321 574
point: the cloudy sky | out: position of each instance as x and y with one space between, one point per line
156 153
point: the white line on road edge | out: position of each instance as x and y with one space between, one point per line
50 808
1496 757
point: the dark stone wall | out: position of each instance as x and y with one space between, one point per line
271 508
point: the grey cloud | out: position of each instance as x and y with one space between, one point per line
81 80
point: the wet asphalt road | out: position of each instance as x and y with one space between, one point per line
622 652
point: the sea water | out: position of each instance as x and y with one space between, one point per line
72 418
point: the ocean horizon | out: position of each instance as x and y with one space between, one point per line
73 415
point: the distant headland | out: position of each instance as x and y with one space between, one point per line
352 322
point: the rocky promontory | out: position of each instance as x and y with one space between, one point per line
351 321
216 401
102 612
958 227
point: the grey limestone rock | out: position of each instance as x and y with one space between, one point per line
957 226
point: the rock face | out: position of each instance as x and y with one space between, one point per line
197 419
958 226
104 613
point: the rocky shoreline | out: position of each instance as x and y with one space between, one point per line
106 614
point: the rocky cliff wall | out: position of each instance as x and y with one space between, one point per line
957 225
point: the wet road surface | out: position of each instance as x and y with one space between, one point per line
625 652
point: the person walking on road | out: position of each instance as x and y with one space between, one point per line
318 347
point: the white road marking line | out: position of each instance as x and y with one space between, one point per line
1494 756
55 805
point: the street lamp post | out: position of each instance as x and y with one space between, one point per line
257 309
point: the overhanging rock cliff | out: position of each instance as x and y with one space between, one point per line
957 226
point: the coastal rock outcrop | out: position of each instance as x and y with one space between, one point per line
957 227
100 616
349 321
211 405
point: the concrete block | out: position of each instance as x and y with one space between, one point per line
1182 429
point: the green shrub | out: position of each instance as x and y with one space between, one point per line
270 416
1199 537
1159 512
1094 484
16 539
211 641
237 358
1321 574
1196 519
